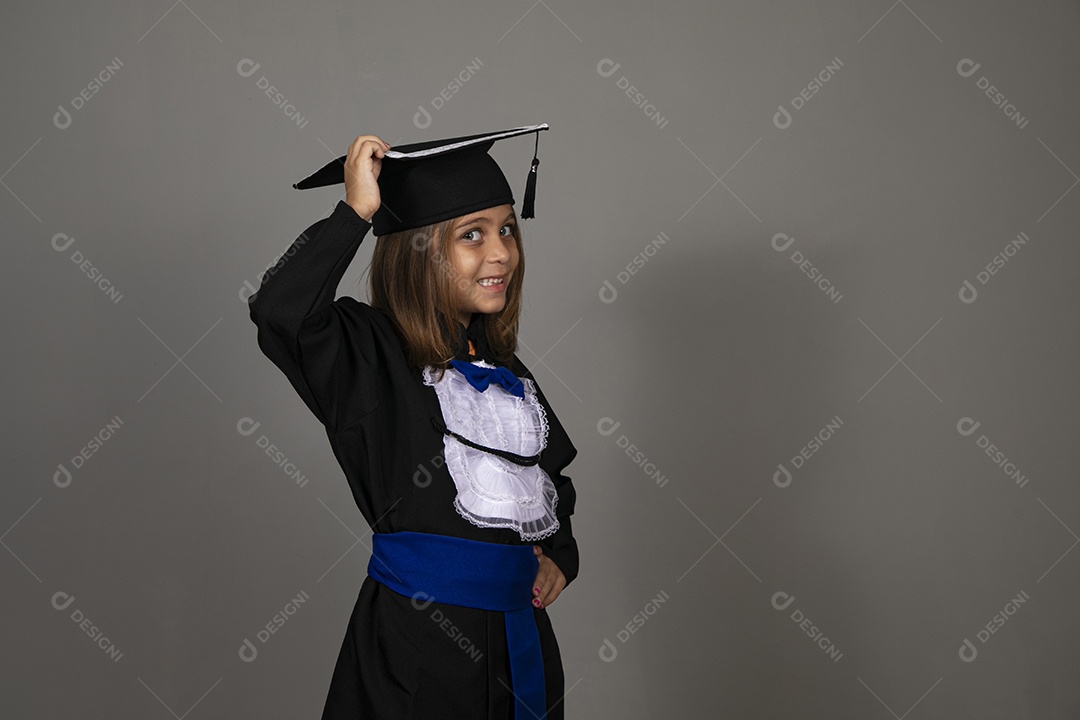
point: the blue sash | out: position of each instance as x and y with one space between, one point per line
475 574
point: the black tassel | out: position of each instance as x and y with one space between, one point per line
528 210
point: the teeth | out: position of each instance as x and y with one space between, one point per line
491 281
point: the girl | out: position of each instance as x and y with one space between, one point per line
450 448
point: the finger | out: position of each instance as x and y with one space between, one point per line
358 155
551 584
538 552
364 150
364 159
558 582
539 587
375 139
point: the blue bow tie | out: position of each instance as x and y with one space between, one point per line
480 377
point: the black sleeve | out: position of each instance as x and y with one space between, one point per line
560 546
325 347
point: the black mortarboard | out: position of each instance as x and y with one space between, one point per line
428 182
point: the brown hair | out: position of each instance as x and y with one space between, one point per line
412 276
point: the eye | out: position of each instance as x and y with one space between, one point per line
465 236
509 228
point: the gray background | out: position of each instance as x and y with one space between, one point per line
900 179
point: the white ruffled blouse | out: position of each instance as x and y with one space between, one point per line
493 491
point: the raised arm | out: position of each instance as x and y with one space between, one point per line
324 346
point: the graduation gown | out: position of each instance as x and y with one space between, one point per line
347 362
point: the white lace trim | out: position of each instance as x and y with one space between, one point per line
492 491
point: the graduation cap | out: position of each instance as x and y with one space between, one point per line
428 182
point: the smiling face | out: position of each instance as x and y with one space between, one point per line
484 253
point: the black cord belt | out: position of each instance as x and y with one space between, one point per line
526 460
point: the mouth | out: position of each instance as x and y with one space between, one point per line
493 283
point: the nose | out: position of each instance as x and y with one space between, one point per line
498 251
